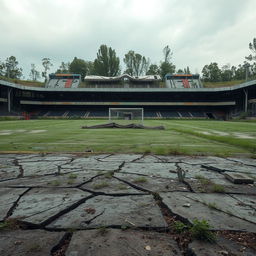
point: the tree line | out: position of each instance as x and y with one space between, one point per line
107 63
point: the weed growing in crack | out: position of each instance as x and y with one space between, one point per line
109 174
203 180
200 230
218 188
140 180
179 227
9 224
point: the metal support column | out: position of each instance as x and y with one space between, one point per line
245 101
9 99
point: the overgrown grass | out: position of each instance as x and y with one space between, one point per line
222 84
23 82
179 137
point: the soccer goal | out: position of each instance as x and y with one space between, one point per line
124 115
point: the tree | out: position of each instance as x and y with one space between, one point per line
153 70
34 74
252 47
166 66
136 64
63 68
11 69
46 62
226 73
80 66
2 68
211 73
106 63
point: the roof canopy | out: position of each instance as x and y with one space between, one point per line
148 78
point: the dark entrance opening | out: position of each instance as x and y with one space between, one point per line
210 115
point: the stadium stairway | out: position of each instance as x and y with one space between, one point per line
68 83
185 83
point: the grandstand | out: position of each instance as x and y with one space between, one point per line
63 81
181 96
183 81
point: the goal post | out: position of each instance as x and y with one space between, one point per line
126 114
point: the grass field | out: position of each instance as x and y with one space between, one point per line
192 137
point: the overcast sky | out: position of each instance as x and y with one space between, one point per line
198 31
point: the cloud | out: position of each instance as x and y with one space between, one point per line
198 31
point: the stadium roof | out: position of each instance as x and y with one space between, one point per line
43 89
118 78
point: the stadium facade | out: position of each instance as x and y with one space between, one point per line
181 96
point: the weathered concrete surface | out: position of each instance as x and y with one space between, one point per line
71 179
101 211
153 184
39 204
8 197
9 172
222 246
222 212
232 167
109 185
199 186
53 191
106 242
90 163
28 242
120 158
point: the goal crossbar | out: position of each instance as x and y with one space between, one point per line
126 113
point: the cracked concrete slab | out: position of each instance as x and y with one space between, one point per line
120 158
104 211
245 161
162 170
153 184
45 158
39 204
227 216
203 160
90 163
71 179
8 197
232 167
149 159
28 242
222 246
9 172
193 171
110 185
115 243
41 167
223 186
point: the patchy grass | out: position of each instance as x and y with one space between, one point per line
222 84
72 176
101 185
140 180
23 82
217 188
179 137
